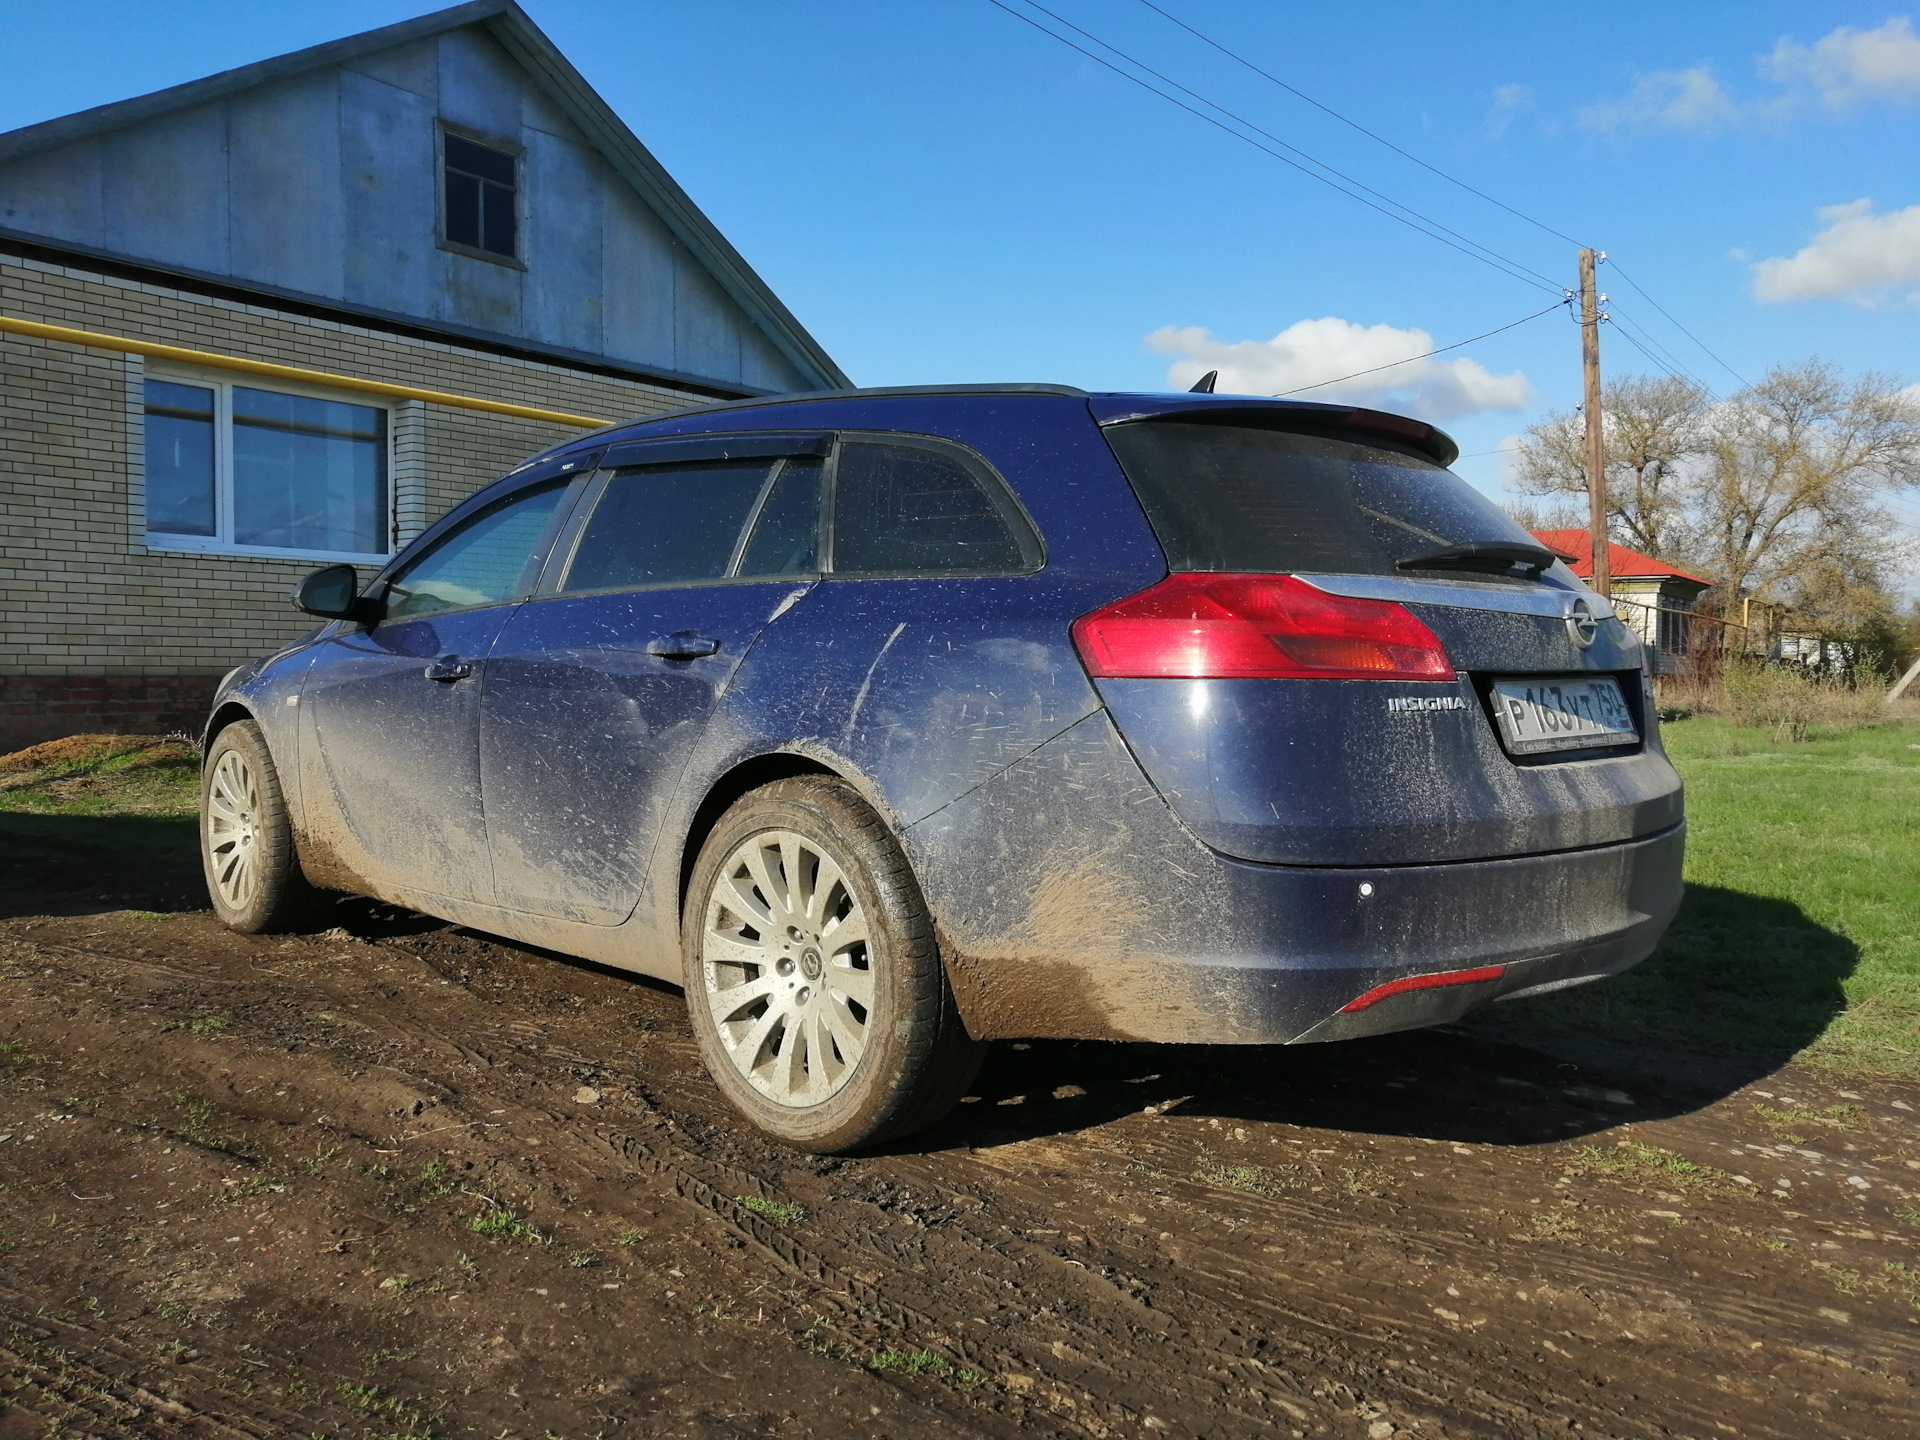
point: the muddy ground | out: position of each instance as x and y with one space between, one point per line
398 1179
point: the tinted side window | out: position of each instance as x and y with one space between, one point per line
786 537
482 562
909 509
667 526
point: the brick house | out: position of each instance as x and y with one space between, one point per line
441 205
1655 598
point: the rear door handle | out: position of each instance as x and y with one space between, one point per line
449 667
683 645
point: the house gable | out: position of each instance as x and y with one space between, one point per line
315 175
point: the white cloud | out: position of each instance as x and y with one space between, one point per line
1310 352
1690 99
1859 256
1849 66
1508 101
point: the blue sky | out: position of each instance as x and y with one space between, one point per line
943 193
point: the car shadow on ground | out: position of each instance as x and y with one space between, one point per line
1740 985
84 864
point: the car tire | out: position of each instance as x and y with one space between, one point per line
812 974
246 838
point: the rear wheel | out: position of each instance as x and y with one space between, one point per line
246 838
812 977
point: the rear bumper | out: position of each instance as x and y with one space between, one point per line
1071 903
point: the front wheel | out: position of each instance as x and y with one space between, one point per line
815 986
246 838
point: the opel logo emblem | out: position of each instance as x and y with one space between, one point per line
1583 627
810 963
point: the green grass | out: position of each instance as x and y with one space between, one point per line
501 1222
1630 1160
780 1212
107 792
106 775
922 1362
1800 934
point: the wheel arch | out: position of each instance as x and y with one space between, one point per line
749 774
226 715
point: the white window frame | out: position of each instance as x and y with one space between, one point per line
221 542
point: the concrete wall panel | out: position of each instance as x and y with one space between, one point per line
537 112
706 328
480 86
286 223
414 67
56 193
164 190
388 193
563 286
637 268
762 363
477 292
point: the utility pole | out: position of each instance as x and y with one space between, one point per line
1602 580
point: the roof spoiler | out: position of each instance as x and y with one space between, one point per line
1277 414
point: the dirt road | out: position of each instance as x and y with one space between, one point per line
399 1180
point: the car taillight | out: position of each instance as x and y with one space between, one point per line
1255 627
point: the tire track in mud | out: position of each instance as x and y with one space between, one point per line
59 1368
1117 1289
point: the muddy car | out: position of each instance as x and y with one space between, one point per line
889 723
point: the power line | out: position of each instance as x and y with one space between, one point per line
1436 170
1322 384
1285 145
1354 124
1505 267
1677 325
1658 363
1671 362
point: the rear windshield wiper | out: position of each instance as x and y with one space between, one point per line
1494 557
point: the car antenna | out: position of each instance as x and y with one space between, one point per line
1204 385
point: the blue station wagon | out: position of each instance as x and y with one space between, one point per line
891 722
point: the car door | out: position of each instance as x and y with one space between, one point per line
597 689
393 782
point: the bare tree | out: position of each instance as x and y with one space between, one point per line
1655 431
1789 495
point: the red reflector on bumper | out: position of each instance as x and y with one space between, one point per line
1424 982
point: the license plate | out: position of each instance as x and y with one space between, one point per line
1562 712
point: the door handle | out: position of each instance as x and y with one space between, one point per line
683 645
449 667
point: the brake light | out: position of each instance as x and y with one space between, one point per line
1255 627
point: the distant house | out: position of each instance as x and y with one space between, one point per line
443 204
1654 598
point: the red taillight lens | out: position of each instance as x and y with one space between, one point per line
1255 627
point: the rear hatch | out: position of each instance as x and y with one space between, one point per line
1359 660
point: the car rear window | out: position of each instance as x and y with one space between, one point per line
1258 501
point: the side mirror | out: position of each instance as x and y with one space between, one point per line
333 593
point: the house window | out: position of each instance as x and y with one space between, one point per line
1676 620
480 197
263 472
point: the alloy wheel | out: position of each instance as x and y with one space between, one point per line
787 969
233 828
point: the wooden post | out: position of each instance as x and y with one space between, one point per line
1602 579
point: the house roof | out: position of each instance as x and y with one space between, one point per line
556 78
1576 548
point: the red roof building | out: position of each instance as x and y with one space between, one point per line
1576 548
1654 598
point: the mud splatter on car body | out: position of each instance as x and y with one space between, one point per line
1165 857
